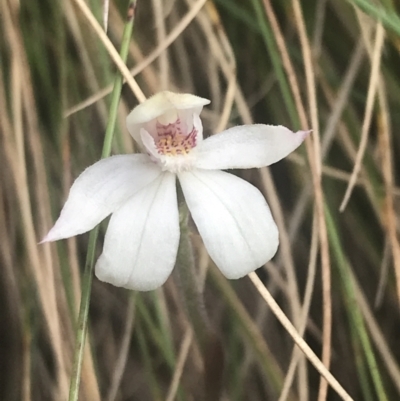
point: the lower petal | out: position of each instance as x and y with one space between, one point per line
233 219
101 189
142 238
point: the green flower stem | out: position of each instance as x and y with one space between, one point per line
208 341
188 282
89 264
148 364
249 329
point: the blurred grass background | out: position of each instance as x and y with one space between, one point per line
332 66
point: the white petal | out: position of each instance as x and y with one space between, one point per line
149 145
233 219
101 189
248 146
142 238
198 126
161 103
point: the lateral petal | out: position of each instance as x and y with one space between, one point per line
142 238
233 219
247 146
100 190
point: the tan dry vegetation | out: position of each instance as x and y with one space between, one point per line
329 66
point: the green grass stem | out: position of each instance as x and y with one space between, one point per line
269 41
388 18
354 313
90 258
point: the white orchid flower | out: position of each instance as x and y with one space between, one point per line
142 238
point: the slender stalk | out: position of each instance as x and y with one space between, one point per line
270 43
116 93
386 16
209 342
89 264
312 357
248 328
83 317
187 281
149 367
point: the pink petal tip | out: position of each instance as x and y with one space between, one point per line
304 134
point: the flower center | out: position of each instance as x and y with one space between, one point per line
171 141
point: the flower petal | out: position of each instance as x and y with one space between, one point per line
149 145
142 238
248 146
160 104
101 189
233 219
198 126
